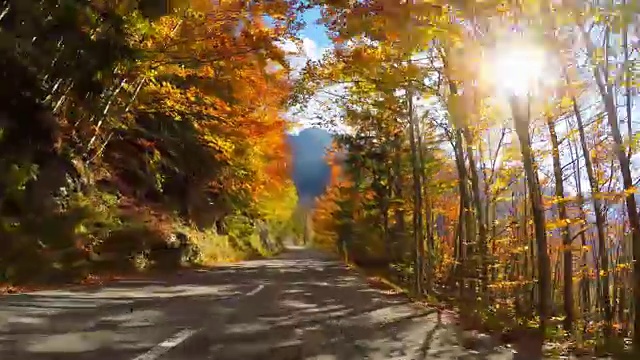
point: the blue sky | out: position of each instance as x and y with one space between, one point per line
315 32
314 42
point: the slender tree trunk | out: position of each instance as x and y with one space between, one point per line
428 222
566 234
531 269
518 258
636 230
627 85
417 200
400 223
489 211
597 208
457 245
528 266
521 122
605 89
385 216
584 280
381 195
632 210
463 219
618 305
623 319
474 192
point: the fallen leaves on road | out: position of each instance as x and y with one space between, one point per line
8 289
90 280
385 286
102 279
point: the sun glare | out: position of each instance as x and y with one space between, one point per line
515 69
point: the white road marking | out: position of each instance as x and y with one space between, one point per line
167 345
255 291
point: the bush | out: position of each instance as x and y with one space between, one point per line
242 243
100 232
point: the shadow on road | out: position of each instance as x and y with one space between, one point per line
302 305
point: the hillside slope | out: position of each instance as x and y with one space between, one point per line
310 170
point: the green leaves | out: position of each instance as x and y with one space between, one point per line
19 175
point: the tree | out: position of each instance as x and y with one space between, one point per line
166 116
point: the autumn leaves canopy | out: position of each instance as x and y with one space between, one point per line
439 98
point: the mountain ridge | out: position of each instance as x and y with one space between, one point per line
310 172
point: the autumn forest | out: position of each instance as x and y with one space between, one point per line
488 160
141 134
491 159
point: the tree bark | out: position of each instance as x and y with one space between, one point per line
477 203
417 200
566 234
521 122
428 215
464 215
400 223
584 281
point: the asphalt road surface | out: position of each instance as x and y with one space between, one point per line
300 305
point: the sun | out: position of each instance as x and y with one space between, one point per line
515 68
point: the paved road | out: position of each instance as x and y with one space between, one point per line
301 305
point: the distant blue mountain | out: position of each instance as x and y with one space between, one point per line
311 173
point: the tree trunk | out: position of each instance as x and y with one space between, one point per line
607 94
584 280
632 210
400 224
464 216
428 216
627 85
521 122
464 190
600 221
385 216
417 200
477 203
566 234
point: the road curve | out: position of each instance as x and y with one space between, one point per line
300 305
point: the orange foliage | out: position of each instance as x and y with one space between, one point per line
230 85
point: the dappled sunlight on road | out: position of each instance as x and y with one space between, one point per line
302 305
